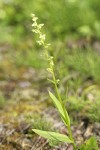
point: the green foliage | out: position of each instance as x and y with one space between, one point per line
61 110
60 17
86 62
53 136
90 144
61 21
57 101
85 108
94 111
30 59
41 123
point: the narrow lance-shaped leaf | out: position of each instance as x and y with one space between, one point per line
63 113
53 136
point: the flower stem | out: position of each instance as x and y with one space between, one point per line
59 98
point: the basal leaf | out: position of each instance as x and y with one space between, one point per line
53 136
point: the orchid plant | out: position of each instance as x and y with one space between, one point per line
57 100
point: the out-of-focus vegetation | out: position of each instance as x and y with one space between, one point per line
73 29
2 100
72 26
62 18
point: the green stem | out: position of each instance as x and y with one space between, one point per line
60 100
71 137
59 97
56 88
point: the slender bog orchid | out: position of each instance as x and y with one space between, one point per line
57 100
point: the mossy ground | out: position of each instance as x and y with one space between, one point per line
25 103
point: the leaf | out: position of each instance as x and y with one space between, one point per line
53 136
90 144
57 103
62 111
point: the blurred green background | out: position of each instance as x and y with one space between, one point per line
62 18
73 29
71 26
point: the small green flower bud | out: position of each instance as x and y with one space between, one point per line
42 37
33 15
51 63
40 26
39 42
49 70
34 24
35 31
35 18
